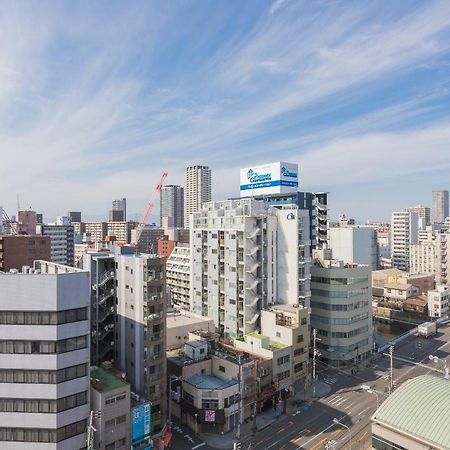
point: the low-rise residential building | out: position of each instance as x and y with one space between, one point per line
438 302
341 310
415 416
180 323
121 230
110 394
422 281
218 388
178 277
284 340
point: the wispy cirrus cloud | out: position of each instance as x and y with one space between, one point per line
107 96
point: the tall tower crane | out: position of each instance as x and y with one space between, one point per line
150 204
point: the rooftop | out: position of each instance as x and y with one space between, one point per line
179 319
419 408
210 382
108 380
398 286
273 344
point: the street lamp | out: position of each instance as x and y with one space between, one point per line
336 421
368 389
436 360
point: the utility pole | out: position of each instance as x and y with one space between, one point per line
391 375
238 428
90 431
171 378
315 353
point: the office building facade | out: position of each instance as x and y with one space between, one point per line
197 190
341 310
44 364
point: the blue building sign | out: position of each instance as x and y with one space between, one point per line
140 423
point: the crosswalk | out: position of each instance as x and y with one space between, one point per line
340 401
329 379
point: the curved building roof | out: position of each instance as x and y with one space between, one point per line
419 408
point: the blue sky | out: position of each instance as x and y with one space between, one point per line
98 98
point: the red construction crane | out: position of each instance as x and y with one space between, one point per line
150 204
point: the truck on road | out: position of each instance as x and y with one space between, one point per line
427 329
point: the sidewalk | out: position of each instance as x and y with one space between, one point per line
264 420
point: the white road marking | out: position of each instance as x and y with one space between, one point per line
317 435
199 445
363 411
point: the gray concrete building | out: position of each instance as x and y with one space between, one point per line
141 327
172 205
439 209
341 310
62 242
44 363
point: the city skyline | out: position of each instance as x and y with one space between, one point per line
98 99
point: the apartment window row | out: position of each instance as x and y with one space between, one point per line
283 360
340 294
283 375
231 400
339 281
115 398
42 435
299 351
298 367
42 317
343 334
341 320
210 404
115 421
45 406
338 307
43 376
43 347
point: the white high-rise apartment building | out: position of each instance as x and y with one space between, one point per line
430 255
44 362
177 275
404 233
246 257
172 205
197 190
439 206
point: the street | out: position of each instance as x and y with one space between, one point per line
313 428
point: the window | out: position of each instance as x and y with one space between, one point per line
210 404
42 317
278 334
42 434
298 367
43 376
222 369
43 347
300 338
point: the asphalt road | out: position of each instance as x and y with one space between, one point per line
314 428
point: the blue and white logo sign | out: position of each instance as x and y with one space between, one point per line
140 422
275 178
288 173
255 177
